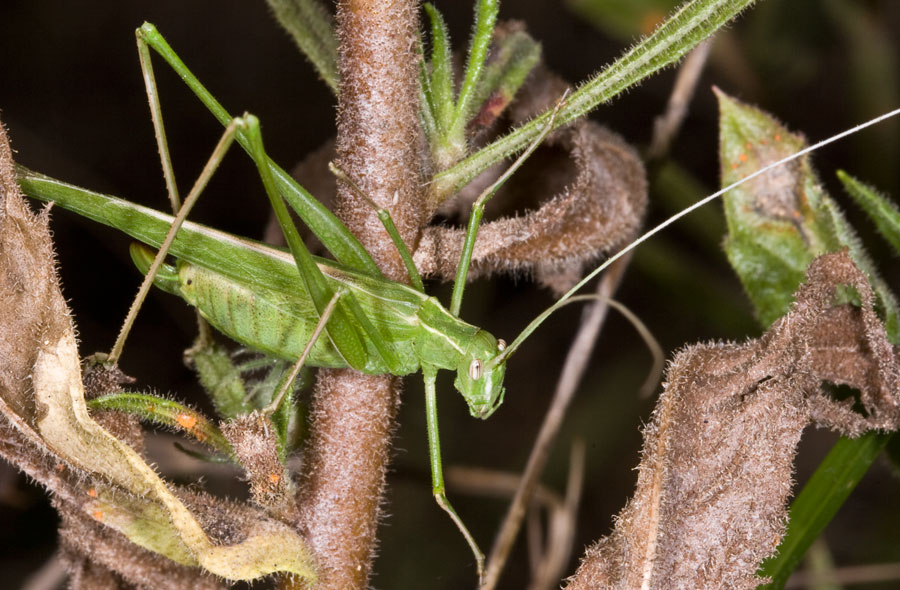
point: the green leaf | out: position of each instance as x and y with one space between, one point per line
681 32
441 79
513 56
166 412
883 213
780 221
485 19
219 376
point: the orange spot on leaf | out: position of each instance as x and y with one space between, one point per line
274 477
92 492
742 158
98 514
186 421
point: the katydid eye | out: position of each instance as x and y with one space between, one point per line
475 369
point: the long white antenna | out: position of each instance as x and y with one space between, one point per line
643 238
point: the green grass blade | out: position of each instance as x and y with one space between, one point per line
311 27
441 77
683 31
819 501
883 213
485 19
322 222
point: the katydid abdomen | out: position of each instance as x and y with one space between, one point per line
280 321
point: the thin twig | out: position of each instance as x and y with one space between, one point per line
575 365
561 528
667 125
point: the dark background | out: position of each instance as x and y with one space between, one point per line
72 99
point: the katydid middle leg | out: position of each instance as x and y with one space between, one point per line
429 375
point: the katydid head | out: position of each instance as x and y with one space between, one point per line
478 378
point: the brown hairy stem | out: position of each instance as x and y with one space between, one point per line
353 415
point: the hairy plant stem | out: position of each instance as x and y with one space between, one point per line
353 415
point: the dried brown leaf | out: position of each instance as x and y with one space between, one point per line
98 557
717 460
599 210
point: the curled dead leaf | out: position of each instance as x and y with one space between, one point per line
717 459
46 429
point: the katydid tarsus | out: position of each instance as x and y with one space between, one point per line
373 325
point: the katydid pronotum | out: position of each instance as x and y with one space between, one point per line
377 315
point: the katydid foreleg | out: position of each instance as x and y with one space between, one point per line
438 489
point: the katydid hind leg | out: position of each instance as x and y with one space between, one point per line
320 220
429 374
208 170
347 324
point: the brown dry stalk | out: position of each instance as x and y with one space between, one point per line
576 363
717 460
353 415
